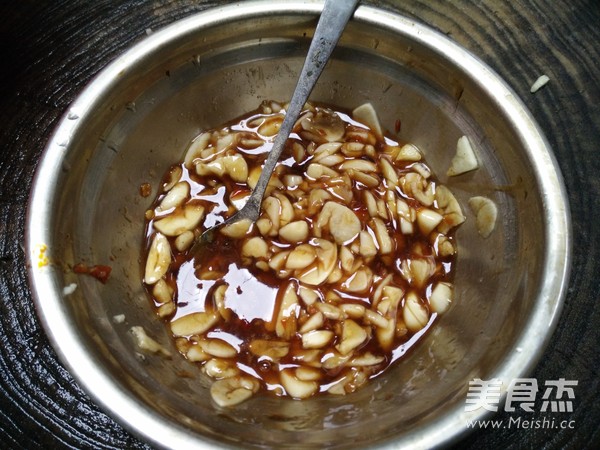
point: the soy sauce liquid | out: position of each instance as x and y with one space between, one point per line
253 295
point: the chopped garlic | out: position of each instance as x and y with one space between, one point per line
367 114
349 237
119 318
539 83
234 390
68 290
464 160
145 342
485 214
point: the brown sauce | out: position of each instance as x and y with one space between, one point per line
253 295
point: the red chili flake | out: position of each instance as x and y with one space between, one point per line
101 273
397 125
80 268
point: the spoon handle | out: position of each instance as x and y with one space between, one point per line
330 27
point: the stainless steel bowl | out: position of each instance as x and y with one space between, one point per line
137 117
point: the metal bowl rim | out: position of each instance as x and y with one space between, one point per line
128 410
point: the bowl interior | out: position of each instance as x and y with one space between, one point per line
139 116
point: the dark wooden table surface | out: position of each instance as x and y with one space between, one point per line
50 49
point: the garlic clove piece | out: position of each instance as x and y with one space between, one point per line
180 221
341 221
486 213
441 297
194 323
326 261
366 114
353 335
158 260
294 232
233 391
295 387
464 160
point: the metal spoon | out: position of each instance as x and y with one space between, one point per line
330 27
